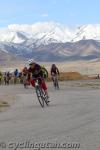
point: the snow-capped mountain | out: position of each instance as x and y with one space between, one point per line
45 32
81 50
87 32
51 41
48 32
12 36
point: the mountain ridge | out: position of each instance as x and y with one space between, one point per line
51 42
81 50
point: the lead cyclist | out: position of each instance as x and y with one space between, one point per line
35 71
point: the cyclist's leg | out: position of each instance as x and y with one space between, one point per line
44 87
7 80
32 82
53 79
25 81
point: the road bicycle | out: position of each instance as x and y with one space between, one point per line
42 97
55 81
25 82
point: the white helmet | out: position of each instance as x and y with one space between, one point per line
31 61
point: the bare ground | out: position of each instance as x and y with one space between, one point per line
72 117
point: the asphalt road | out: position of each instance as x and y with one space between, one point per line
72 121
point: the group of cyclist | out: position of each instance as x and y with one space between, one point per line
10 77
30 74
37 71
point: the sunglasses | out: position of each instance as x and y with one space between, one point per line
31 64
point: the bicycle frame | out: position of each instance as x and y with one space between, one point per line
55 81
25 82
40 93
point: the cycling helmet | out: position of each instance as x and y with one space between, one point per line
31 61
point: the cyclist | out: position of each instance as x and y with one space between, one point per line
25 77
20 77
16 74
7 78
44 71
36 72
54 74
0 77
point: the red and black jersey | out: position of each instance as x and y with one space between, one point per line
36 71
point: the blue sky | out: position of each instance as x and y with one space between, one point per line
67 12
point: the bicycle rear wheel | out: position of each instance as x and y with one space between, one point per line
56 85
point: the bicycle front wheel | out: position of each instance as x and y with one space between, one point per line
40 97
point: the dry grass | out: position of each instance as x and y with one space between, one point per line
3 104
6 100
70 76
